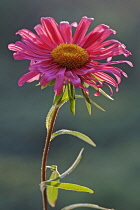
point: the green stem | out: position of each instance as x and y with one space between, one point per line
45 155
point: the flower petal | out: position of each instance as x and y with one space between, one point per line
52 30
81 29
96 36
29 77
59 81
66 31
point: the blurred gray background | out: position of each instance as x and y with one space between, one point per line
112 169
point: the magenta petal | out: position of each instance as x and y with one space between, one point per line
66 31
81 29
29 77
52 30
14 47
97 93
83 71
37 77
106 78
59 81
99 34
74 24
101 45
75 80
121 61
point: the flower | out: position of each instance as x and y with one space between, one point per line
81 59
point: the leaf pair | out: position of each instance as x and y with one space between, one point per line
53 184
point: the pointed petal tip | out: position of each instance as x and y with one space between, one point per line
88 18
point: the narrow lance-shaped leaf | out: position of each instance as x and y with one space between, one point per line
99 107
78 205
74 133
59 103
86 96
88 105
52 82
92 102
52 192
70 169
49 116
72 90
72 106
57 98
65 96
69 186
104 93
71 95
87 101
73 166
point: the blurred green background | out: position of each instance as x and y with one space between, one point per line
112 169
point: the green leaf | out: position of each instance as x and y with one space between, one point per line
52 82
86 96
73 206
87 101
72 90
72 106
73 166
57 98
105 94
52 110
71 95
88 105
49 116
65 95
52 167
74 133
69 186
70 169
99 107
92 102
52 192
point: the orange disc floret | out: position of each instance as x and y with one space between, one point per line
70 56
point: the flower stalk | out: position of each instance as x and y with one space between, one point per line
45 154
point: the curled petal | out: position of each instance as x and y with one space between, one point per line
29 77
97 93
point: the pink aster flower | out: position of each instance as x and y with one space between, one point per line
80 58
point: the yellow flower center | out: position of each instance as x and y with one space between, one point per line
70 56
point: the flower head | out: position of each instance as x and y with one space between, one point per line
58 55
